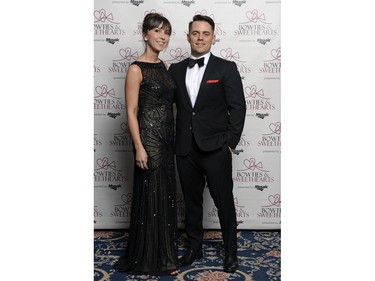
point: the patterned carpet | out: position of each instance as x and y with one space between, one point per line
259 254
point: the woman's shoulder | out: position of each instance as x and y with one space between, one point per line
134 69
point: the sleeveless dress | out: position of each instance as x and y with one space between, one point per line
152 244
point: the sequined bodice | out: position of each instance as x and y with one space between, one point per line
155 111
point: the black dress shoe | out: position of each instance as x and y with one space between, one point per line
230 263
189 257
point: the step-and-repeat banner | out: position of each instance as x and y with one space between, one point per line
248 33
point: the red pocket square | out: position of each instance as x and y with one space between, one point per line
212 81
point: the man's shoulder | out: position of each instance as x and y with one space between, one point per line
219 59
184 61
177 65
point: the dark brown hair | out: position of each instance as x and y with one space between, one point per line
153 20
202 18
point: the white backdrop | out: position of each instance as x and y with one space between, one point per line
248 33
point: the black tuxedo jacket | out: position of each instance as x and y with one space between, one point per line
218 115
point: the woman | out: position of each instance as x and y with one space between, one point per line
152 244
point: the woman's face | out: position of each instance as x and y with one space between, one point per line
157 38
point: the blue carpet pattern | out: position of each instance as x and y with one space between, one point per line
259 254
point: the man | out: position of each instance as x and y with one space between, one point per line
210 118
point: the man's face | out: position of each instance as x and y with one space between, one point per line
201 38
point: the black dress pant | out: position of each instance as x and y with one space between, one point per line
215 167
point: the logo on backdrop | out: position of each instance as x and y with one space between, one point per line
252 171
112 41
257 100
255 23
106 99
262 115
123 210
263 41
187 2
273 138
271 209
261 187
230 55
219 32
123 60
113 114
97 213
114 186
239 2
273 64
136 2
105 24
176 55
97 141
122 139
243 143
96 68
107 171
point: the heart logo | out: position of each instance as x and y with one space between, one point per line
124 127
101 90
254 16
127 198
251 164
227 53
276 53
177 54
253 93
101 16
274 200
275 127
103 163
127 54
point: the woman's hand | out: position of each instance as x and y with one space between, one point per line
141 159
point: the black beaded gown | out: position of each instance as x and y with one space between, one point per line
152 244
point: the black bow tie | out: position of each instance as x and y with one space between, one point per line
192 62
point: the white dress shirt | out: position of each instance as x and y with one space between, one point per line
194 77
